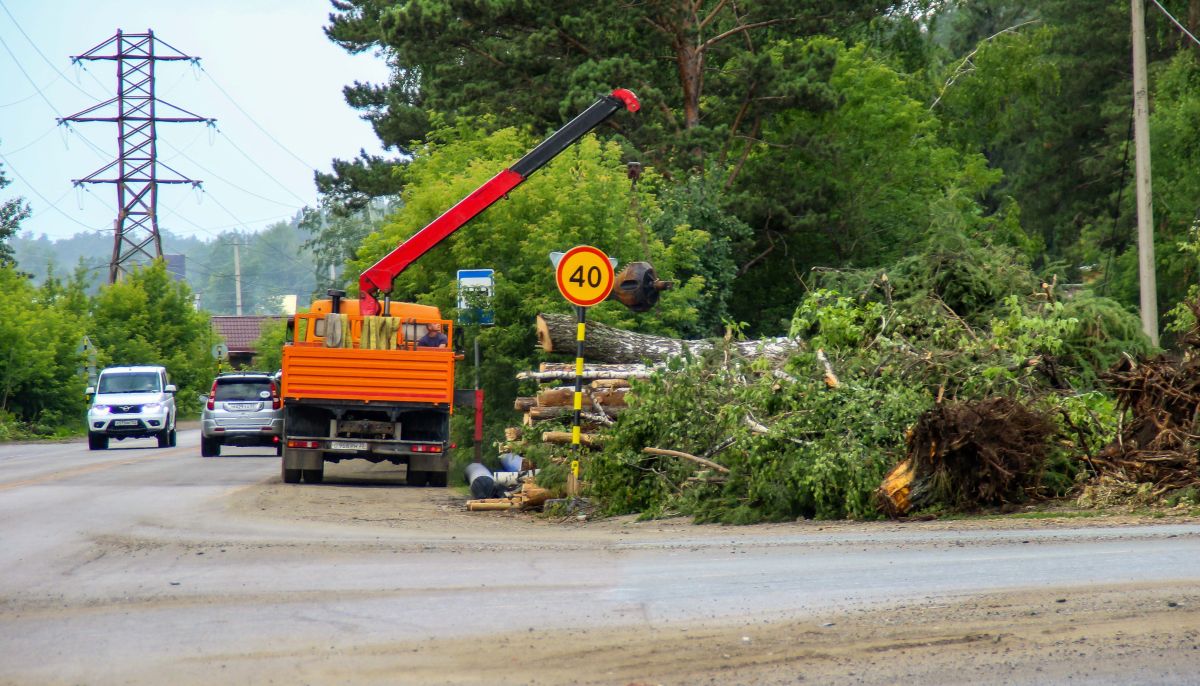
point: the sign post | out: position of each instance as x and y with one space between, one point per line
585 277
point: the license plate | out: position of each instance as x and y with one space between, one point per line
125 422
241 407
347 445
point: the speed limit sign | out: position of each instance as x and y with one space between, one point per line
584 275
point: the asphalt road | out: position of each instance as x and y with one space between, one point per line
127 565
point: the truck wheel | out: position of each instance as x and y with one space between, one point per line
314 476
417 478
437 478
97 442
291 476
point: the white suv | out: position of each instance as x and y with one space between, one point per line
131 402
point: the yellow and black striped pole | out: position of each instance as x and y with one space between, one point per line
580 330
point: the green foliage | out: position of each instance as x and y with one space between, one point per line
148 318
12 211
824 453
895 348
269 345
867 176
41 367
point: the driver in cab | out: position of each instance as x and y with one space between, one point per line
433 338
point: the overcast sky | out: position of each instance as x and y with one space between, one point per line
268 58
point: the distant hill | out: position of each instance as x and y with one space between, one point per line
272 263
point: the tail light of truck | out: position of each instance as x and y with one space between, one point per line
275 402
304 444
427 448
212 396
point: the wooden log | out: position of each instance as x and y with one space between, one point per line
554 397
565 395
512 433
533 495
523 403
831 379
493 504
564 438
635 372
609 384
588 368
536 413
698 460
602 343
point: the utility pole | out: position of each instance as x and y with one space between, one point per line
137 167
237 276
1141 140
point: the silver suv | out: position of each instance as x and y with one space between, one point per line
243 409
131 402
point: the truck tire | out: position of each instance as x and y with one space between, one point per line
97 441
314 476
291 476
437 478
417 478
209 447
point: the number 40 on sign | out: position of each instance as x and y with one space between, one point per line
584 275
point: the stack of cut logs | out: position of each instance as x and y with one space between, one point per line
605 387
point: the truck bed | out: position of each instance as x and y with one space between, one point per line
314 372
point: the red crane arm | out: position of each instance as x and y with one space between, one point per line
379 278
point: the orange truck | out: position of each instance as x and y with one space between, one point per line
369 380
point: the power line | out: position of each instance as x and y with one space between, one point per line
283 147
259 167
31 95
39 51
1176 22
28 78
52 205
215 175
33 142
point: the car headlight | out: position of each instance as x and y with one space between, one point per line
151 407
101 409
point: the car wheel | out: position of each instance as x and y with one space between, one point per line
279 448
207 447
97 442
172 438
164 438
291 476
314 476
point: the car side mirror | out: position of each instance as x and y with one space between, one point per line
171 388
90 390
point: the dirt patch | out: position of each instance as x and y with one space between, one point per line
1145 634
1106 635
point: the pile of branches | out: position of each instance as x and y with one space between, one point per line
970 454
1159 445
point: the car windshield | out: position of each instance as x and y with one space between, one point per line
130 382
242 389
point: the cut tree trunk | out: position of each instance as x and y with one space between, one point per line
564 438
602 343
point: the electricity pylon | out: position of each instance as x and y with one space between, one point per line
137 167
